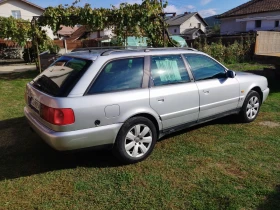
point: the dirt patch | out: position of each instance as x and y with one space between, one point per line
270 124
231 170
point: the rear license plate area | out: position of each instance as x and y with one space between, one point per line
34 104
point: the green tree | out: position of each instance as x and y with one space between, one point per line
18 30
139 20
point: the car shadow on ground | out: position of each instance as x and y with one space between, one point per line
23 152
272 201
231 119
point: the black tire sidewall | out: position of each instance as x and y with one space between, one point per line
119 148
251 94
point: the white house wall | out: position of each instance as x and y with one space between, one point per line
172 29
27 11
231 26
49 32
192 23
105 32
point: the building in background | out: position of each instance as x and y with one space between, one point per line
255 15
22 9
187 25
66 31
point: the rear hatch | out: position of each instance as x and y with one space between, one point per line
60 78
45 94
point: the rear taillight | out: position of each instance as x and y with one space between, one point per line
63 116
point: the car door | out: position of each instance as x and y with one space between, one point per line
117 92
173 95
218 93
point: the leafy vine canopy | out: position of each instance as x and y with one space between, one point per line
139 20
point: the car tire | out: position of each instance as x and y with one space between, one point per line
135 141
251 107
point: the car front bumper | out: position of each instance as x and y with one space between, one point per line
74 140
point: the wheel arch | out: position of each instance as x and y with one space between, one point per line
259 91
150 117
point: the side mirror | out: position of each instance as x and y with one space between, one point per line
231 74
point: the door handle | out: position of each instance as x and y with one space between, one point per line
206 91
161 100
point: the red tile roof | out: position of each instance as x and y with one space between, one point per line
67 30
253 6
78 33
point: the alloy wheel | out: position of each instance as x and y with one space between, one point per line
252 107
138 140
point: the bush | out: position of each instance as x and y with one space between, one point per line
54 49
232 53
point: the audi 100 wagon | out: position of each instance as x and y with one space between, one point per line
128 99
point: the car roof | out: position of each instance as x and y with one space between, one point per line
93 54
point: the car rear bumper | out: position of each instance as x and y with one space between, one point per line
265 94
73 140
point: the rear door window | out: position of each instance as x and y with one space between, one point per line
118 75
168 69
60 78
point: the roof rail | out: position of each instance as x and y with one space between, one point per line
109 51
171 48
97 48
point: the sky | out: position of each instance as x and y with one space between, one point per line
205 7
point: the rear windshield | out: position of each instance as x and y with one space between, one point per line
60 78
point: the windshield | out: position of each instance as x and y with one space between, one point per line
60 78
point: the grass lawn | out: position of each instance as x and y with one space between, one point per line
248 66
219 165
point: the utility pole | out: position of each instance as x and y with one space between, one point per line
163 14
35 41
163 28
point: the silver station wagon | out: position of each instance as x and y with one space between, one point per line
128 99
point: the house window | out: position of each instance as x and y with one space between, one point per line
190 24
277 23
175 30
258 23
199 25
16 14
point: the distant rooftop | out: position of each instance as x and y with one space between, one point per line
67 30
180 19
27 2
253 6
